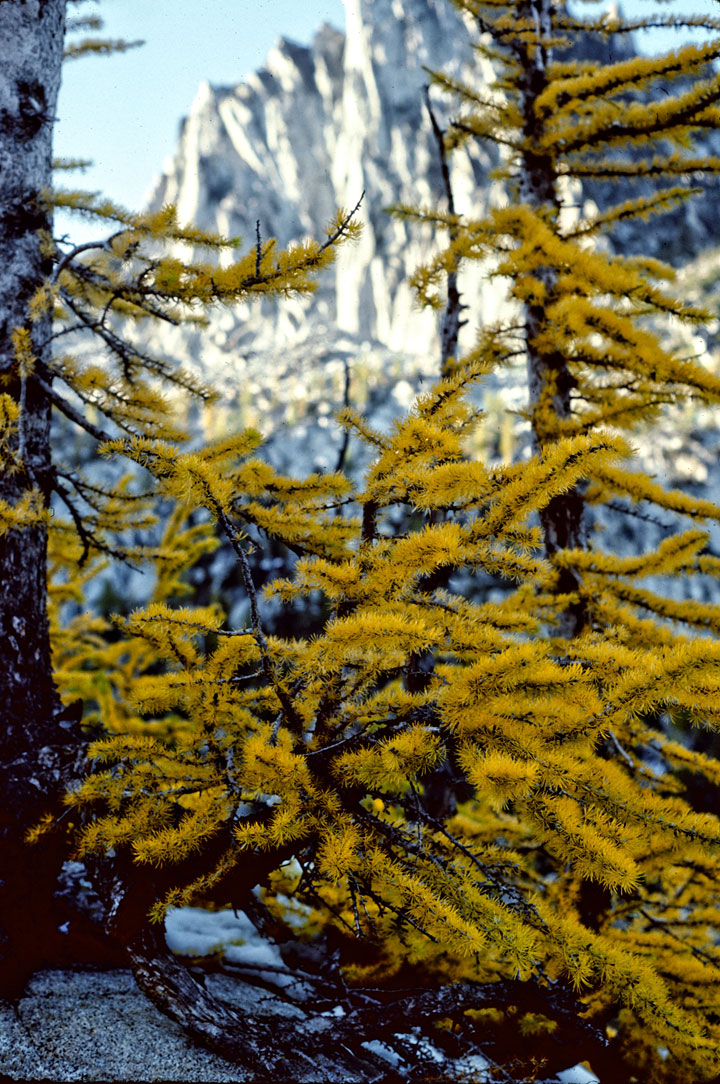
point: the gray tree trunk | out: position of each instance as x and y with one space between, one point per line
38 742
564 519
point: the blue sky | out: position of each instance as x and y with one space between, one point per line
123 111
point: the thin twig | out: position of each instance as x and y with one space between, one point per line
70 412
346 432
626 756
86 247
85 488
353 897
88 537
665 927
290 714
343 225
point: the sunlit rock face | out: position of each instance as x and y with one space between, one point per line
318 128
313 130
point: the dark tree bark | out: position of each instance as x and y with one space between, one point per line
40 746
564 520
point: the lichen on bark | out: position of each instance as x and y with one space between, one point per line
37 749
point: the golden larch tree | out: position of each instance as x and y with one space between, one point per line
52 292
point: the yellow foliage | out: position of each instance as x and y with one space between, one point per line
502 776
444 765
29 511
339 852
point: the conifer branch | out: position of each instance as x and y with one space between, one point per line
466 129
290 713
89 539
258 250
628 510
130 356
342 226
71 413
98 47
605 169
90 492
607 27
88 246
665 927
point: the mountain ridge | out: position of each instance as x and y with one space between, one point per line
310 131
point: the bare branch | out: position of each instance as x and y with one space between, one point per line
87 247
346 432
289 710
339 232
88 538
70 412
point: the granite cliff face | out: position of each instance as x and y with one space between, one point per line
311 131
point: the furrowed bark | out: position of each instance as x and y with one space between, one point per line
39 740
550 381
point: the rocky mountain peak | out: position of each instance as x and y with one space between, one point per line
310 131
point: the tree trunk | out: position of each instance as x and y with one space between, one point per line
39 745
550 381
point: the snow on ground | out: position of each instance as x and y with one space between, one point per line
192 931
80 1025
577 1075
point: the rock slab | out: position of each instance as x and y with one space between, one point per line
90 1025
